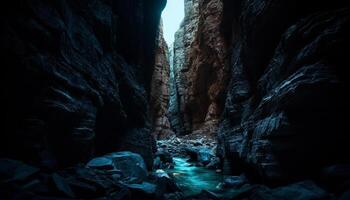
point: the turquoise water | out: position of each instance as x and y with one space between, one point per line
192 180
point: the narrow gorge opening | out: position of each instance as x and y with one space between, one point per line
188 91
226 99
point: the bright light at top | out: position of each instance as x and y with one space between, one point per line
172 16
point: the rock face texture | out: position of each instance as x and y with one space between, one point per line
200 73
285 108
160 89
76 78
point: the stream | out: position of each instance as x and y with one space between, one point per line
192 179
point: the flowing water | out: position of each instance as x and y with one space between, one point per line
192 179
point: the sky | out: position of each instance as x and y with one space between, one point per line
172 16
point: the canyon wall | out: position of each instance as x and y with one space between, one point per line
286 108
76 78
200 72
160 89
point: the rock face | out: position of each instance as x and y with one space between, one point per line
76 78
285 107
200 73
160 90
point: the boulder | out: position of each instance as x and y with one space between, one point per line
127 163
164 156
165 184
163 160
102 163
204 155
234 181
131 164
161 173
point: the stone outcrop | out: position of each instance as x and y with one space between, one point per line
200 72
118 175
76 78
285 108
160 89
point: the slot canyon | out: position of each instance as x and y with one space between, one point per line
247 102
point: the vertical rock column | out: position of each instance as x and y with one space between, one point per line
200 72
160 89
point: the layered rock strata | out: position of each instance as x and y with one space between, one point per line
76 78
285 108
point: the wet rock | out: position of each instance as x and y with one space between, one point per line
214 163
164 156
102 163
131 164
161 173
234 181
163 160
199 154
205 155
165 184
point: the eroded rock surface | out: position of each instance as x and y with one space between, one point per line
76 78
125 178
200 73
160 90
284 112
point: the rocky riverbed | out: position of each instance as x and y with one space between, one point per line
191 162
179 176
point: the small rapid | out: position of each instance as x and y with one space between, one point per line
192 179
